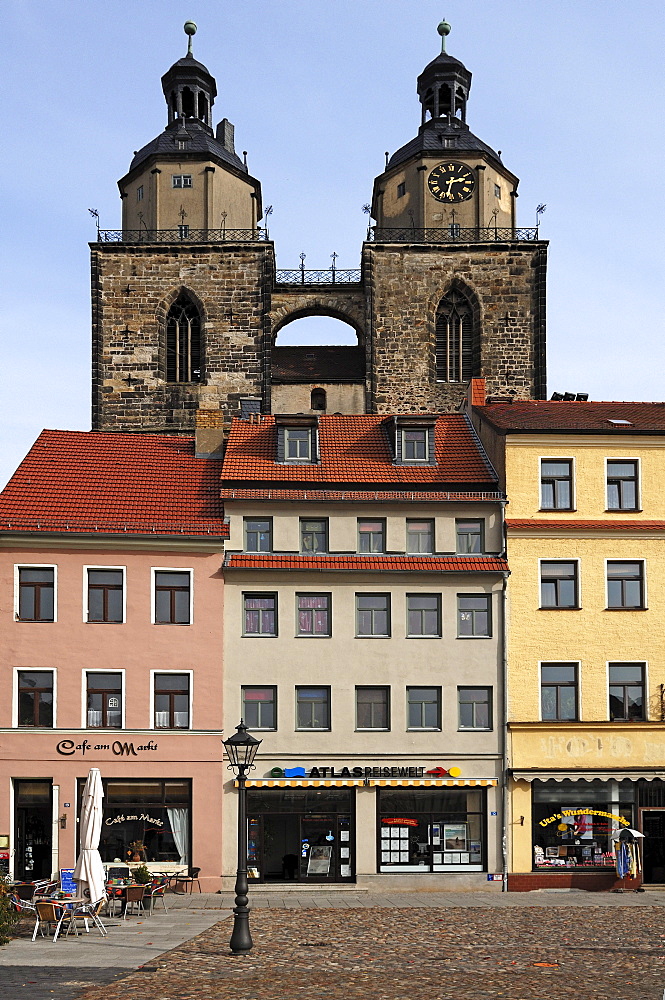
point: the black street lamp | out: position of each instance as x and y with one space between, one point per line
241 750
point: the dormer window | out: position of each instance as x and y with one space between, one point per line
415 445
412 439
296 439
298 444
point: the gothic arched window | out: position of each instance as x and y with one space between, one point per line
454 338
183 342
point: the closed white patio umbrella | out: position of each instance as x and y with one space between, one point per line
89 871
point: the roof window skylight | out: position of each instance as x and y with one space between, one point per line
620 422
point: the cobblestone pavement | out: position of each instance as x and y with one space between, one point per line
419 953
389 946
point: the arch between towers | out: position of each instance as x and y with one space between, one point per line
345 305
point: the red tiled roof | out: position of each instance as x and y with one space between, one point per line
589 417
587 525
356 496
82 481
370 564
356 449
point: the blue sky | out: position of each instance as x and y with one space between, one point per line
571 92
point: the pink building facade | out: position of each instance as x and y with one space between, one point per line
111 610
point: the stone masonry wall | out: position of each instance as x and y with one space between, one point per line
405 285
132 290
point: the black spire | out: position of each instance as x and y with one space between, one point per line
444 84
190 90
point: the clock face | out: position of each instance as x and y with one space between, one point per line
451 182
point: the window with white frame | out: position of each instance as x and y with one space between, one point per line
35 699
36 593
172 700
625 585
173 596
181 180
556 484
559 583
622 484
104 700
105 594
415 444
298 444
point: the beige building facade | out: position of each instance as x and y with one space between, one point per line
349 651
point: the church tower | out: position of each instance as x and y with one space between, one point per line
179 294
457 289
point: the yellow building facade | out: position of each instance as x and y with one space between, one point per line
585 680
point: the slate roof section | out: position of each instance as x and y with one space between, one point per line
202 143
591 417
354 450
129 484
441 138
318 364
368 564
565 525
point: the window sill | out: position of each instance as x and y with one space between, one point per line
626 609
416 636
472 729
177 624
425 729
305 635
379 729
475 637
557 510
259 635
172 729
624 510
91 621
555 607
36 621
372 637
312 729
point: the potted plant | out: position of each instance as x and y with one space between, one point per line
142 875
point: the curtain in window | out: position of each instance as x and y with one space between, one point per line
179 820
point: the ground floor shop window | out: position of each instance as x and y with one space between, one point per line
300 834
145 820
575 823
431 830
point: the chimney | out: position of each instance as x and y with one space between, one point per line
226 135
476 392
210 434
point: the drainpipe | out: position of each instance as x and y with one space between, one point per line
504 712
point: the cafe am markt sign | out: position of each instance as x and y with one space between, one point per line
121 748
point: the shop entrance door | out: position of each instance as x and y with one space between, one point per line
653 828
324 848
34 812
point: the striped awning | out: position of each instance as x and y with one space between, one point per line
587 775
360 782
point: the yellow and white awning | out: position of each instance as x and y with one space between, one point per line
360 782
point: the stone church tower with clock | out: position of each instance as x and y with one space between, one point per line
187 299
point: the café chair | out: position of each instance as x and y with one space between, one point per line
50 913
134 897
154 891
189 879
89 911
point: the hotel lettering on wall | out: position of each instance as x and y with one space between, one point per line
121 748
